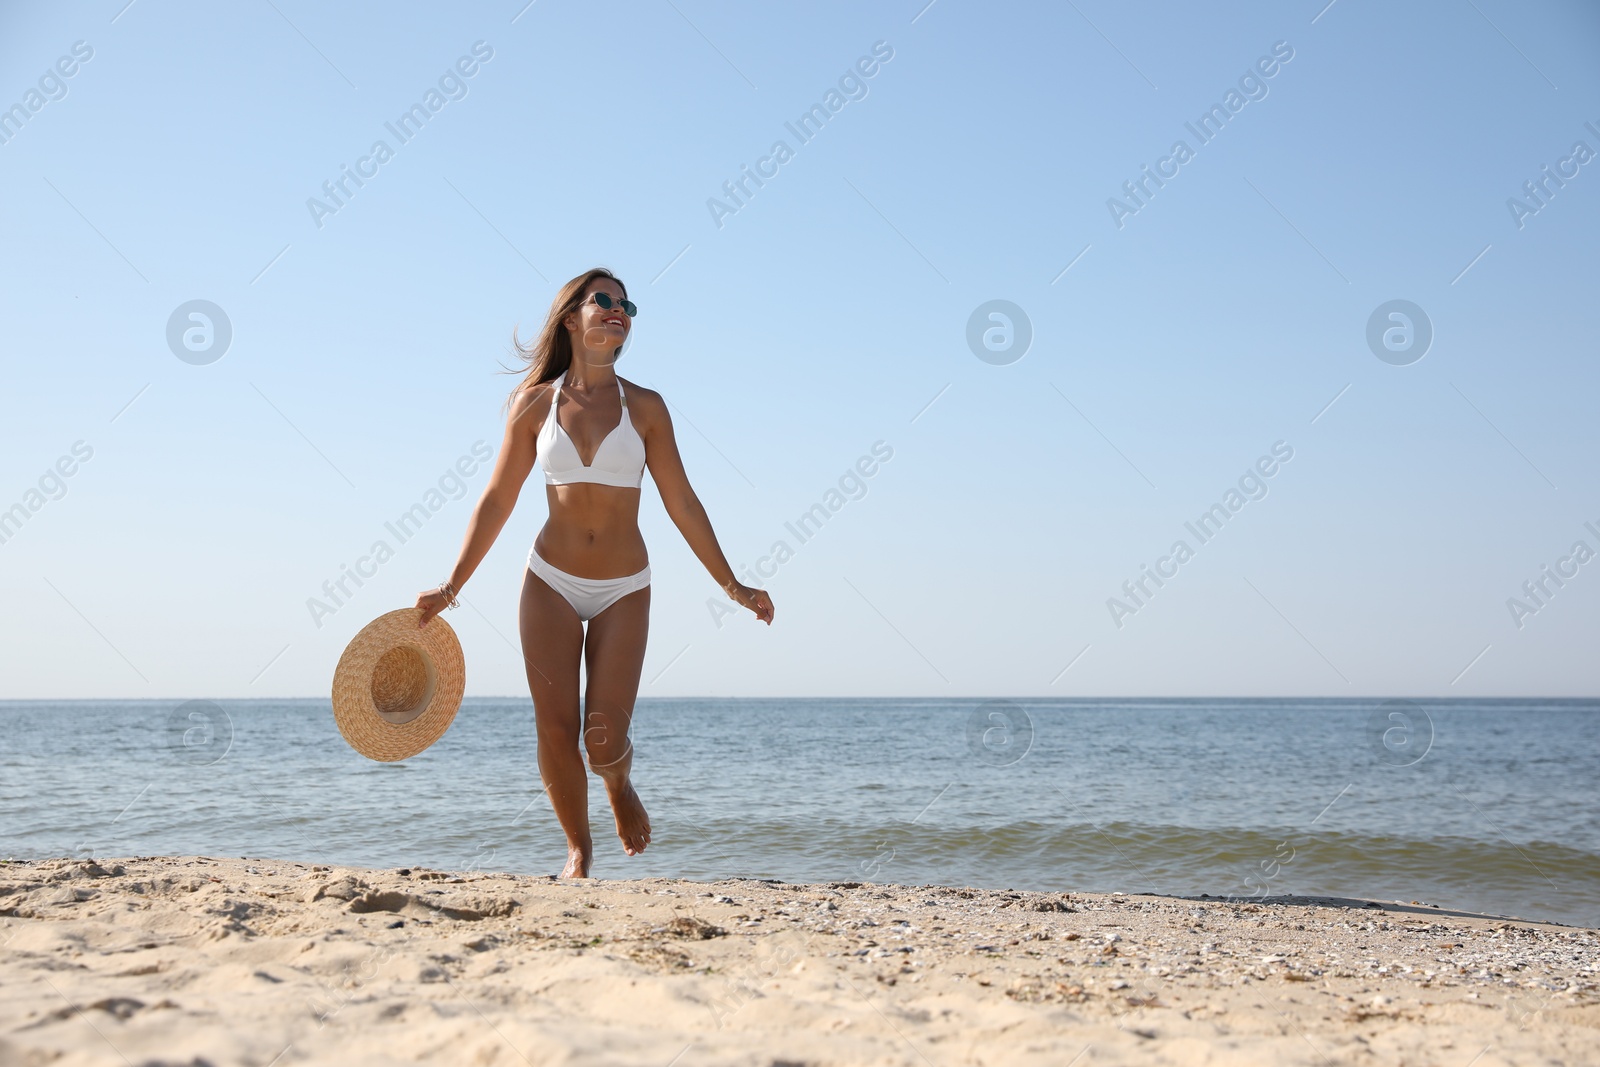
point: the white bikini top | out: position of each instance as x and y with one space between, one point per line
619 460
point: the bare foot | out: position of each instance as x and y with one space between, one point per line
633 825
578 860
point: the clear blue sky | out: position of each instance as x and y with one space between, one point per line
829 312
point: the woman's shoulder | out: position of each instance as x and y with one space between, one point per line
637 392
531 400
646 404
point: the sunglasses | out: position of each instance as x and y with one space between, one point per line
629 308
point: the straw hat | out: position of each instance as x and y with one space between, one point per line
397 688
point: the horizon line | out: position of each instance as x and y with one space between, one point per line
946 699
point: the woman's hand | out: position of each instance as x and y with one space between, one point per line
431 602
756 600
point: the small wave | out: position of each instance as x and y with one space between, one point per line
1540 879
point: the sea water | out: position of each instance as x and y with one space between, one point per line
1479 805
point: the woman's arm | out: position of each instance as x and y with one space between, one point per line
684 507
511 469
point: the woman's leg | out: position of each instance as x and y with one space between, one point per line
614 653
552 644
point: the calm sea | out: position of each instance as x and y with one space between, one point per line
1485 805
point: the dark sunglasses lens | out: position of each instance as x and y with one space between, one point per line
629 308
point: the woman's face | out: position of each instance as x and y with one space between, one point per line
597 330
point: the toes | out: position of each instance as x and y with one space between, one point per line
633 827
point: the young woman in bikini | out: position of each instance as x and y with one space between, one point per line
588 564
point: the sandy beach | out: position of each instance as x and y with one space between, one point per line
192 960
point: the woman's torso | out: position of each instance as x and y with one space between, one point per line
593 528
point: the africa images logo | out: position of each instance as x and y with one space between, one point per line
852 85
1252 85
452 85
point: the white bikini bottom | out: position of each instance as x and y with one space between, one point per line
588 596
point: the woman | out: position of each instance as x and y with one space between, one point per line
593 435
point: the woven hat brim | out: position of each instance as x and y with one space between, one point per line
356 710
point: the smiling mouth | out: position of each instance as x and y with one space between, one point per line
615 320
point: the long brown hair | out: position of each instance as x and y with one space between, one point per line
549 354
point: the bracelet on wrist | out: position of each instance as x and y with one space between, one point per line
448 591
